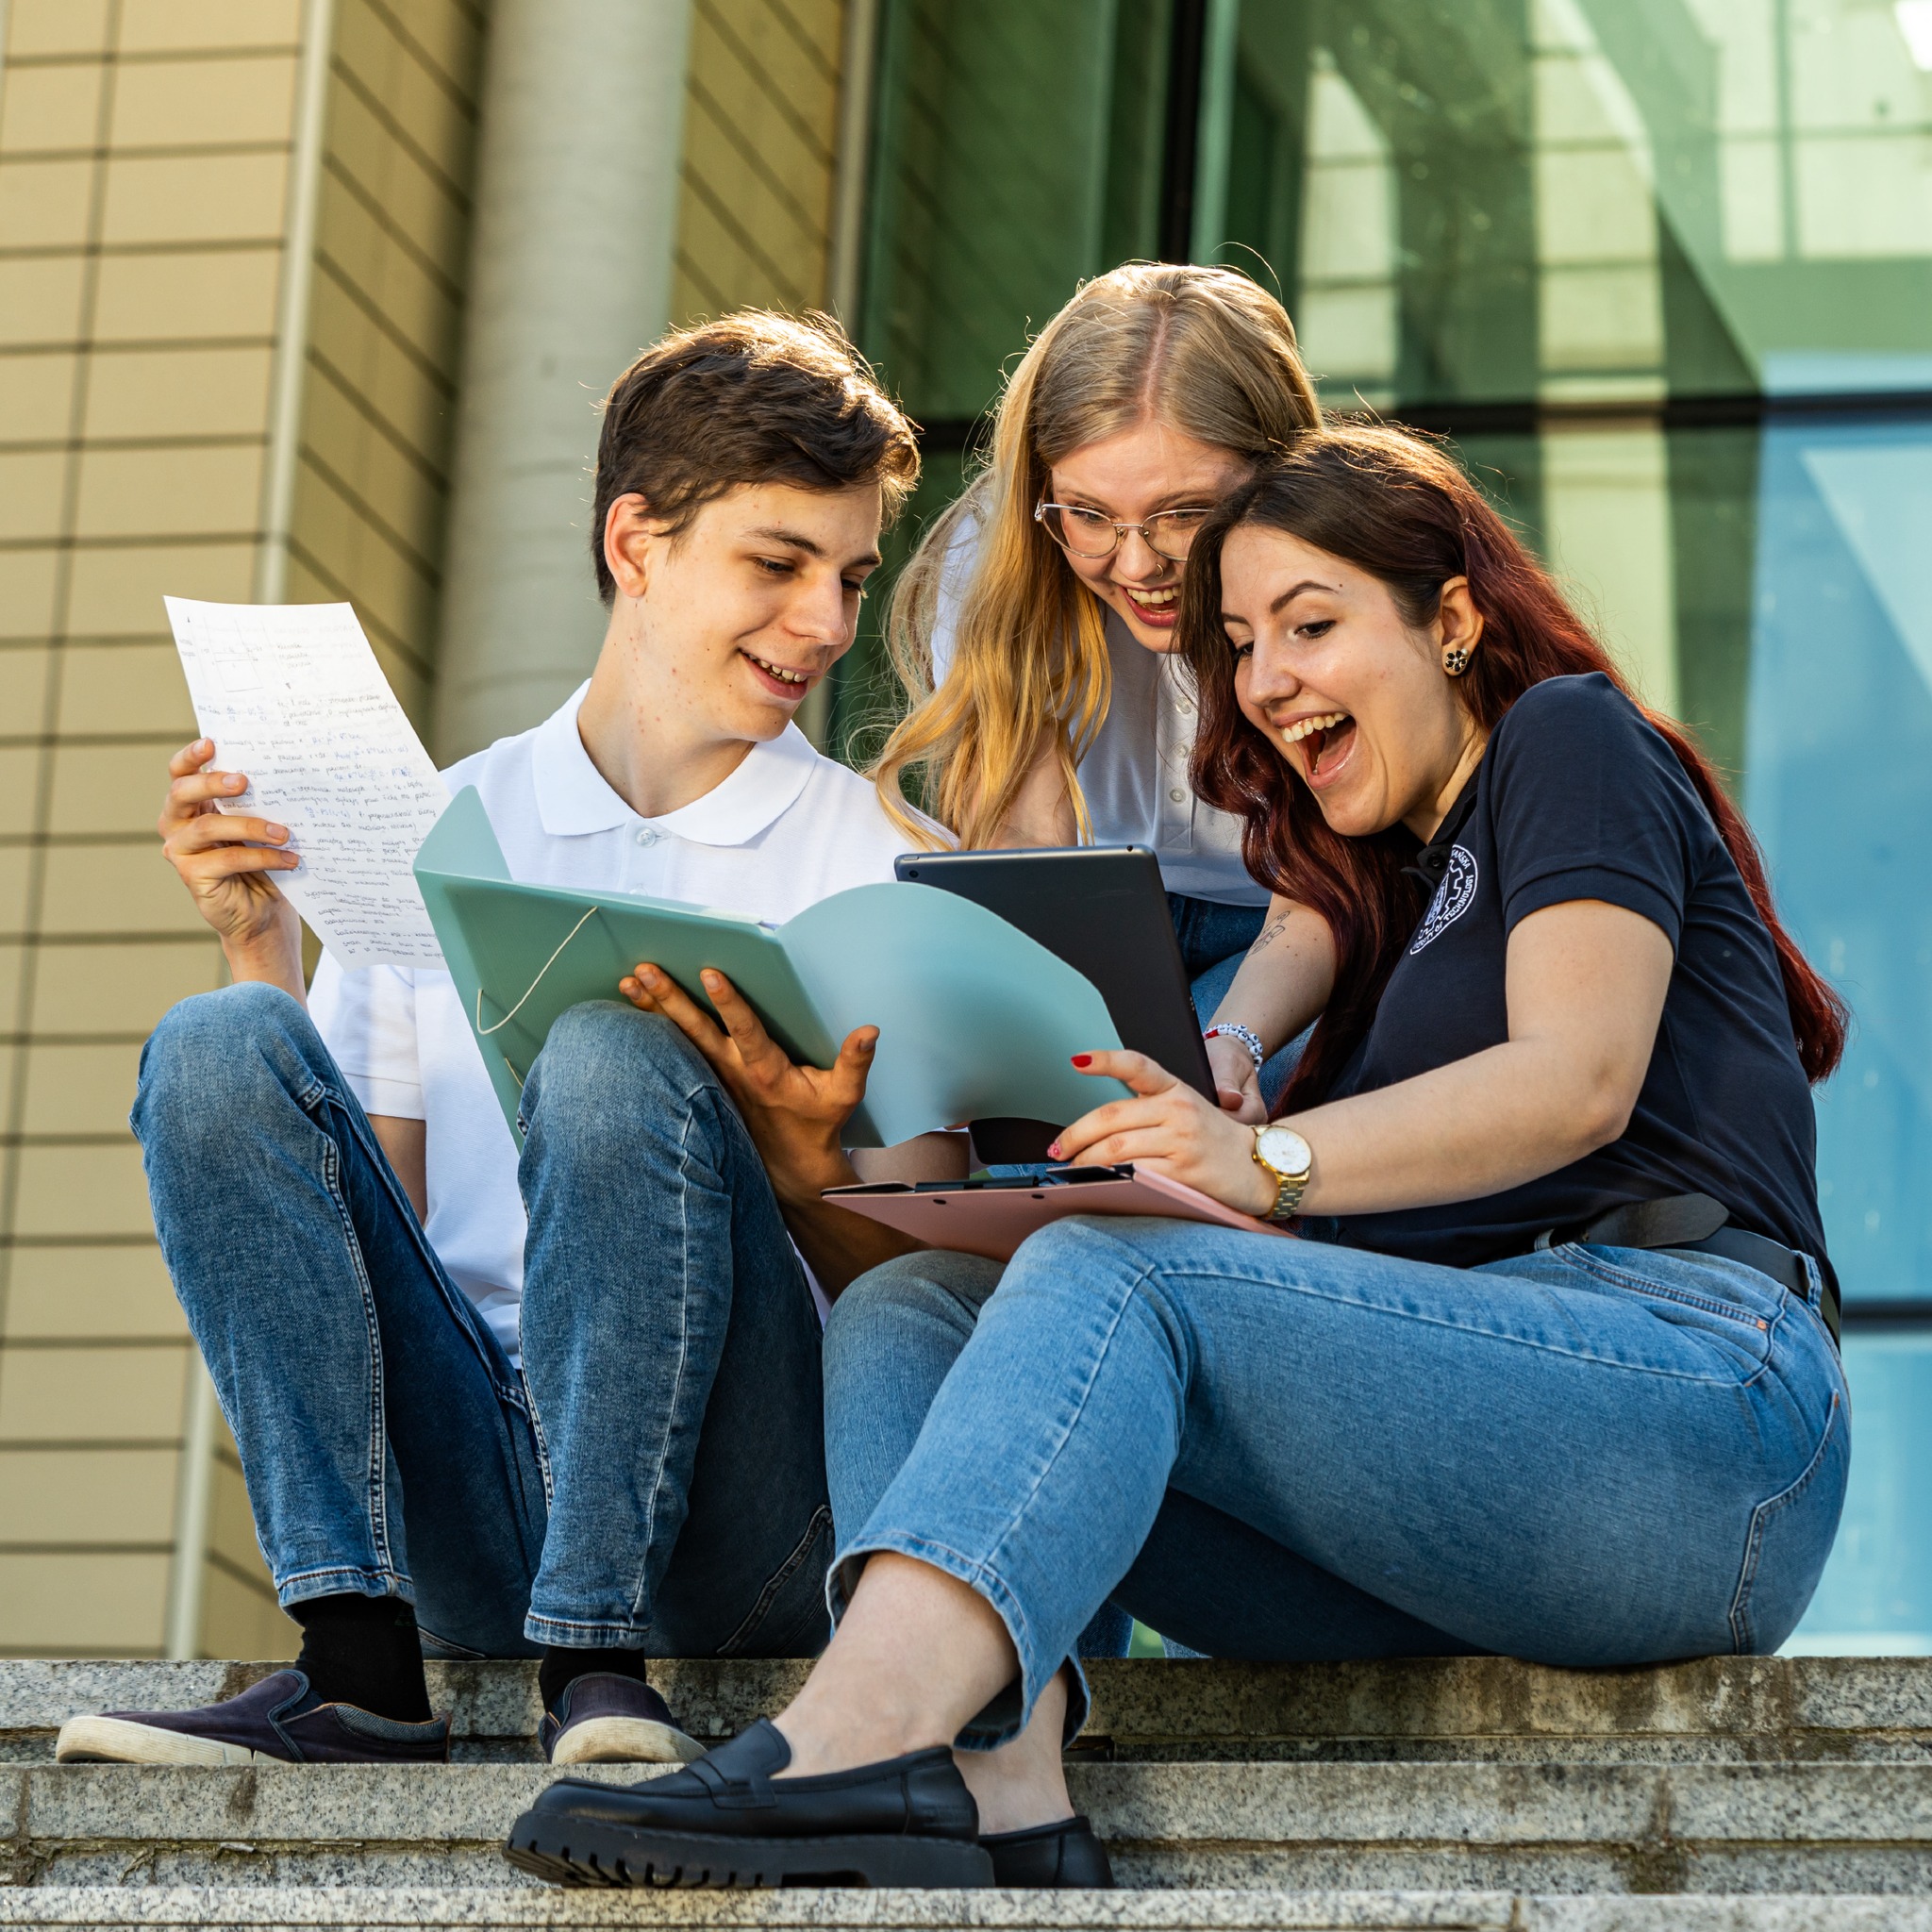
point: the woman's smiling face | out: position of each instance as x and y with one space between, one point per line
1351 696
1128 478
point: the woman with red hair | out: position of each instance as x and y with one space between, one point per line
1552 1370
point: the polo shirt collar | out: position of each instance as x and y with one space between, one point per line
573 799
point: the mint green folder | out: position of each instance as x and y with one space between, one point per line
974 1018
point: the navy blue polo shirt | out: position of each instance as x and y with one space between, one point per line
1579 797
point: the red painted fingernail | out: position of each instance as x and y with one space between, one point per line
1083 1059
1053 1152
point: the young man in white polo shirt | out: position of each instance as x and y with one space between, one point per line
361 1253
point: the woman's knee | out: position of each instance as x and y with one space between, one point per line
936 1292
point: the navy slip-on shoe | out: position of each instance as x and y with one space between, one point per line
1066 1857
726 1820
603 1718
278 1721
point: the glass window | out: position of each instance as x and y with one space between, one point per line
1662 269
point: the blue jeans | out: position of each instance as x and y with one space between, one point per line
673 1496
1289 1449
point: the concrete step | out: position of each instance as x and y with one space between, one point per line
1716 1710
1612 1828
93 1908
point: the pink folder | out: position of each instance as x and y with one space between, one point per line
993 1220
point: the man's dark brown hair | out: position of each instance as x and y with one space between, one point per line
753 397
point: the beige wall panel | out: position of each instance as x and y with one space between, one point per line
413 302
118 591
411 409
106 788
84 1605
91 1394
30 493
239 1621
117 889
90 1191
86 1495
122 989
176 393
127 687
191 198
175 103
76 1292
55 26
159 26
441 36
40 299
50 108
37 397
20 767
389 373
12 962
166 492
412 195
79 1090
385 583
389 483
43 203
23 687
225 294
26 593
13 877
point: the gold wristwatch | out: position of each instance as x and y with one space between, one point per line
1290 1159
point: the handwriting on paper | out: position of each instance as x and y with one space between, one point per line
292 694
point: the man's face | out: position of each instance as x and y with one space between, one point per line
738 618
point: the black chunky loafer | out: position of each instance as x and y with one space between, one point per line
1066 1857
725 1821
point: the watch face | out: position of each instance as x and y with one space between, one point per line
1284 1150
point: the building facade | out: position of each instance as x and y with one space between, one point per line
314 298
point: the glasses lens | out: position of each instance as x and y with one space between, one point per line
1171 533
1085 532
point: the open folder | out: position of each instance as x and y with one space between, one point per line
974 1019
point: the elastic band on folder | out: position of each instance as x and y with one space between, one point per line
484 1032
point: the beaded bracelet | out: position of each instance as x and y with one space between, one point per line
1246 1035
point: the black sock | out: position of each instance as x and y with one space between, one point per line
562 1668
364 1650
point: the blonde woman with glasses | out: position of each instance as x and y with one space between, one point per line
1033 628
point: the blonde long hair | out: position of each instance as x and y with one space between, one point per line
1203 350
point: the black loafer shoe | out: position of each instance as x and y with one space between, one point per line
725 1821
1050 1857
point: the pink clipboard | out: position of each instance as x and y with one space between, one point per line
992 1218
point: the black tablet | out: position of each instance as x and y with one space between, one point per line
1102 909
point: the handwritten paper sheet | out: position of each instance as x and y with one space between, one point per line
292 695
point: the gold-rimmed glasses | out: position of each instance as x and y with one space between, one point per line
1167 533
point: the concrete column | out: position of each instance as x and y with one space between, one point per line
576 215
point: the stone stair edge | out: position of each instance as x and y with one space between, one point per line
1154 1699
76 1908
1800 1807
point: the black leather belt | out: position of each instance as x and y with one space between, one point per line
1697 1224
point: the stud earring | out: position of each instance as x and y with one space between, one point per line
1456 661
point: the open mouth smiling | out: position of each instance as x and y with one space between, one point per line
1324 739
796 681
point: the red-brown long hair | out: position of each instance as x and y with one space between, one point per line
1400 508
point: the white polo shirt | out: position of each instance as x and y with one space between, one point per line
788 827
1135 773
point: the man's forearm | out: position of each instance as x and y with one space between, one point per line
838 1245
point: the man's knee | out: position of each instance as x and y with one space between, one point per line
604 1060
213 1054
936 1288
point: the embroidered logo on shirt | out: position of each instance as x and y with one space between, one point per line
1451 900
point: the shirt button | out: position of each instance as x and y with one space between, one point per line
647 836
1178 797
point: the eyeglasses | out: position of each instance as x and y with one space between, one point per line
1167 533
